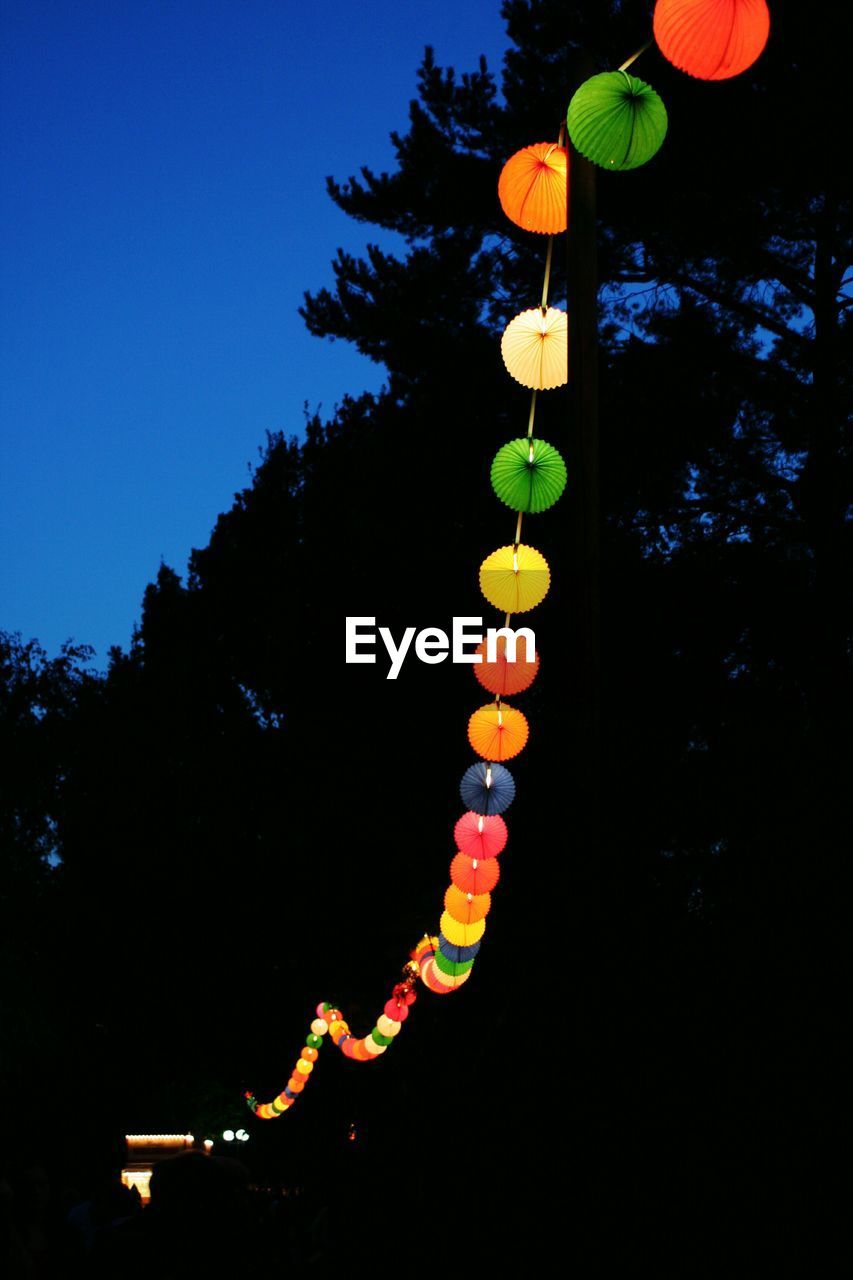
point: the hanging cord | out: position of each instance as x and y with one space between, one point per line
546 284
634 56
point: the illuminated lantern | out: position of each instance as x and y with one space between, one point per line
430 977
711 39
387 1025
304 1068
457 953
535 348
396 1011
473 875
466 908
446 981
515 579
319 1026
528 475
310 1055
461 934
450 967
533 188
497 733
502 676
616 120
480 837
486 787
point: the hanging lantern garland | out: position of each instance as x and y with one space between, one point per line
618 122
528 476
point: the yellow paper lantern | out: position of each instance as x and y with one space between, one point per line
515 578
461 935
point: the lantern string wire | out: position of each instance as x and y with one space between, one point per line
634 56
546 284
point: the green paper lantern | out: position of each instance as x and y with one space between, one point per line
528 475
451 967
616 120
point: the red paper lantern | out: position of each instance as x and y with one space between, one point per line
711 39
502 677
480 837
481 878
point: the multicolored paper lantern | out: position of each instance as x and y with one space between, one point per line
528 475
711 39
535 348
533 188
616 120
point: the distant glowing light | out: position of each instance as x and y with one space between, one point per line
159 1139
228 1135
138 1180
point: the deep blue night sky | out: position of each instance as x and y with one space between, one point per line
163 208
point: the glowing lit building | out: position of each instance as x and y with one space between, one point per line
143 1152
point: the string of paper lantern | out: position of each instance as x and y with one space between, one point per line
618 122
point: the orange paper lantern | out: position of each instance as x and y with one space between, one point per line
465 908
711 39
497 732
533 188
502 677
474 875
